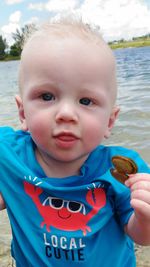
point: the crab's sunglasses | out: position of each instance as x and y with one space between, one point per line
58 203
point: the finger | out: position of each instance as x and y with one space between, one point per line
133 178
141 208
2 204
141 185
141 195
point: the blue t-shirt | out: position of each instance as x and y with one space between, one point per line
72 221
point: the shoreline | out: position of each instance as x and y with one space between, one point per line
130 44
113 46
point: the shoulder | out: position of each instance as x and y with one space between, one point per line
113 150
7 131
109 151
13 138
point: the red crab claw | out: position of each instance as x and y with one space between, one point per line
32 190
96 198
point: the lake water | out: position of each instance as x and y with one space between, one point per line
132 128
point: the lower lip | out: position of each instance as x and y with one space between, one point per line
65 141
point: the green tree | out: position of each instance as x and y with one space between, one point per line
14 51
20 36
3 46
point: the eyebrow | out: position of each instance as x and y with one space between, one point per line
45 85
96 92
37 88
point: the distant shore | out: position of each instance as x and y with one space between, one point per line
9 58
140 42
127 44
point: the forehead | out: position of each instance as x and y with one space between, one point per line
63 57
67 46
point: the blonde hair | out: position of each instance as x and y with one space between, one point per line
67 27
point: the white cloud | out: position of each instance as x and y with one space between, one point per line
8 29
13 24
60 6
34 20
12 2
37 6
117 19
15 17
55 5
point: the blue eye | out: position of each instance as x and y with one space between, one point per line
48 97
85 101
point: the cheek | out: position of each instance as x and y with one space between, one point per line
37 123
94 130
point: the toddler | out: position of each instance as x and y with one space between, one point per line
64 205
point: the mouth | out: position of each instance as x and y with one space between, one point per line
65 139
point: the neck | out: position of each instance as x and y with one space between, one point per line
58 169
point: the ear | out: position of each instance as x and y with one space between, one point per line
112 119
21 113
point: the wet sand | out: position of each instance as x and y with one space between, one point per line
5 238
143 256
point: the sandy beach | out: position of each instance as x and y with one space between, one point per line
143 256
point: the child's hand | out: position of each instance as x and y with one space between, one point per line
139 185
2 203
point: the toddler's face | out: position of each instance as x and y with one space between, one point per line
66 99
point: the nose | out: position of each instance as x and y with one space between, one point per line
66 113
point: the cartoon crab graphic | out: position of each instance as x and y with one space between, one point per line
66 215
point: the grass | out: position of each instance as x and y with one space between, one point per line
139 42
8 58
126 44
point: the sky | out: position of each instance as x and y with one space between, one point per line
116 19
